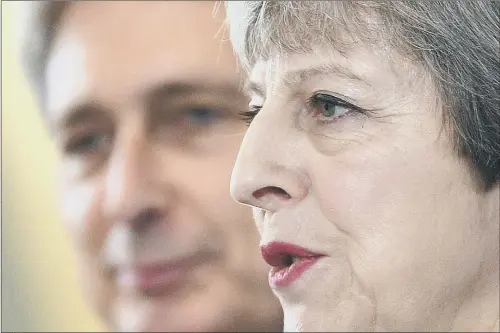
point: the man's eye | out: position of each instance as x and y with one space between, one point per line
87 144
202 116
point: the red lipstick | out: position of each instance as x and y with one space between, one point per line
289 262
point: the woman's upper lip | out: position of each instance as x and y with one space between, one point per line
274 252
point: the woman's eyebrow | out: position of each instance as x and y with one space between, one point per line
295 78
252 88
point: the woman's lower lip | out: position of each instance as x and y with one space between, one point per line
280 277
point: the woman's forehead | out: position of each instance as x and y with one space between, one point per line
367 65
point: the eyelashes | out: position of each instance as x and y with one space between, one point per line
327 108
249 115
324 107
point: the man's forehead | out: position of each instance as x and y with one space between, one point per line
85 65
65 77
123 12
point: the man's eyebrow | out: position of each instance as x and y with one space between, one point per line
76 115
86 111
179 88
294 78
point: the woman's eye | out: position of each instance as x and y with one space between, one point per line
87 144
329 108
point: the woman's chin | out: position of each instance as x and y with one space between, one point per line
349 315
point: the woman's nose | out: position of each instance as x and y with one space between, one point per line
267 173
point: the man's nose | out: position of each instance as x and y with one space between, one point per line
131 195
268 172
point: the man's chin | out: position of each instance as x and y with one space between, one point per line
163 314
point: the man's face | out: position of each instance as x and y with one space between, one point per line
348 159
144 102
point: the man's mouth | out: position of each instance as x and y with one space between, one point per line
289 262
159 278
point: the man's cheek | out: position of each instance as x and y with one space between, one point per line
80 212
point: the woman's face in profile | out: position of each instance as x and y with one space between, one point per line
370 218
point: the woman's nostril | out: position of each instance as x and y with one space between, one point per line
271 190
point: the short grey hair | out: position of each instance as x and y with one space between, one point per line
39 22
455 42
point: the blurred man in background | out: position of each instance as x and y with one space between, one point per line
143 102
